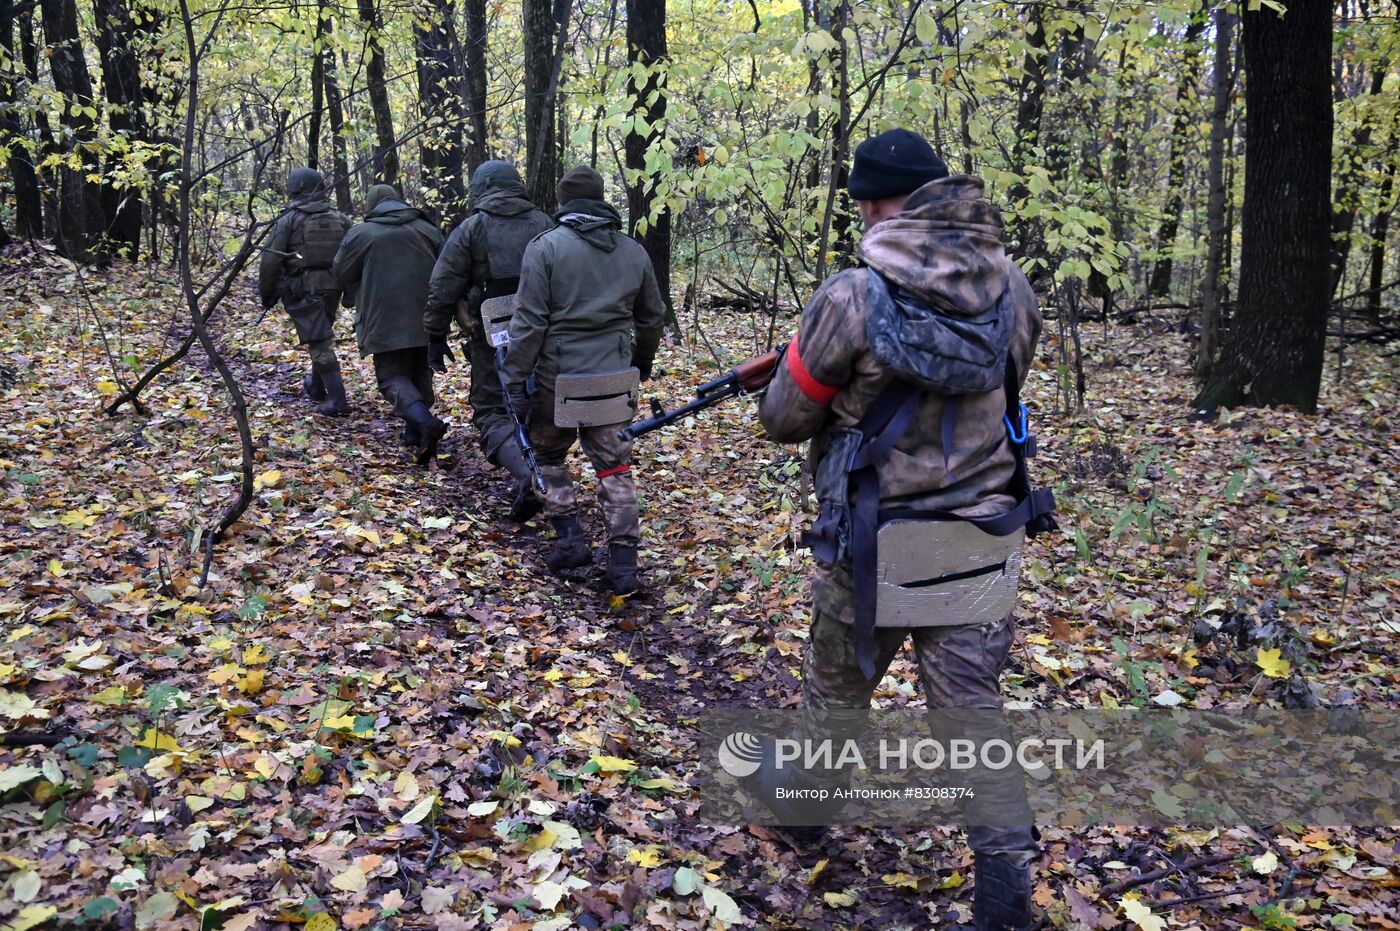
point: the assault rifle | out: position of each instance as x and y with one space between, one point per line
747 378
522 432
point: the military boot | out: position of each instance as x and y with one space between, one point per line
429 429
622 568
1001 897
801 821
570 549
335 404
312 385
410 436
525 504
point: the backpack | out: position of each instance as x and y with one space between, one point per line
320 235
934 567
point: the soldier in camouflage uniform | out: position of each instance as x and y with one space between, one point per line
296 268
589 303
481 260
938 241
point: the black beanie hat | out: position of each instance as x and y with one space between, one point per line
893 164
579 183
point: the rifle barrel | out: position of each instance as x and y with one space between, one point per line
643 427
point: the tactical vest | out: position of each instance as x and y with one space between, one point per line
506 239
913 568
315 238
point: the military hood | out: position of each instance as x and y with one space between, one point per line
944 249
393 212
310 203
596 222
496 187
936 274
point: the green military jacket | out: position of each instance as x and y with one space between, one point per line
383 266
588 300
281 272
485 248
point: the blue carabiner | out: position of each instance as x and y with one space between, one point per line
1020 439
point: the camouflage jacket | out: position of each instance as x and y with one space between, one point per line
944 250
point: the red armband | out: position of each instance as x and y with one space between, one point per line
815 391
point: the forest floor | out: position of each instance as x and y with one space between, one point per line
382 711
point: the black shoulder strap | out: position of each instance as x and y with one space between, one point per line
1033 505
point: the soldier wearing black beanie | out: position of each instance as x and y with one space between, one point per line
893 164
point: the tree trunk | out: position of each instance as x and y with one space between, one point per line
477 150
646 46
1274 351
544 34
1030 108
29 205
1182 122
440 94
1224 79
1380 231
840 137
81 220
318 91
1350 169
335 109
121 82
385 164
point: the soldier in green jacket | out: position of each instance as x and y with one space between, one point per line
481 260
383 266
588 303
296 268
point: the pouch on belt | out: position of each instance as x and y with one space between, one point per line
495 319
596 399
944 572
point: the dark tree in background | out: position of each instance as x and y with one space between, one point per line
475 54
385 166
29 205
121 84
81 220
646 44
1183 128
1022 233
335 107
1273 352
1212 282
440 95
545 23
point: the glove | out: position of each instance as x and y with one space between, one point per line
519 402
438 353
644 367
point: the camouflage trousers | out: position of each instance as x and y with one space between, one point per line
959 668
611 459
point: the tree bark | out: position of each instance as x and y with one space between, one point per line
646 46
81 220
29 204
545 25
385 164
1349 174
1273 353
440 93
1030 108
1182 121
335 109
840 139
1380 231
477 149
1216 230
318 91
121 83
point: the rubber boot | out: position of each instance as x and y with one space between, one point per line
335 404
1001 897
430 431
800 821
525 504
570 549
622 568
312 386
